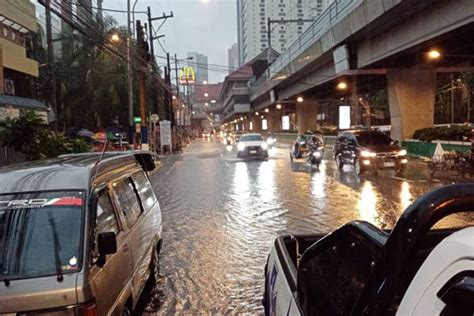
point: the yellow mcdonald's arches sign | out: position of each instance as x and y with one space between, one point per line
187 76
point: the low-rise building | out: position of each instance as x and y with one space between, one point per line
18 71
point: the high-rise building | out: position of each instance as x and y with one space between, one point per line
252 17
233 57
198 62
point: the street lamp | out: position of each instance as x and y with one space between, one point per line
434 54
115 38
342 85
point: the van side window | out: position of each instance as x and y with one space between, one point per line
128 200
106 220
145 191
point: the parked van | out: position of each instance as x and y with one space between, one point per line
79 235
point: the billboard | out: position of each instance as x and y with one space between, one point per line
187 76
344 117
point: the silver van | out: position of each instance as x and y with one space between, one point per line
79 234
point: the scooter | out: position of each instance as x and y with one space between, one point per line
271 141
315 155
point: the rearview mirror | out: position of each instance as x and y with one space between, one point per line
107 243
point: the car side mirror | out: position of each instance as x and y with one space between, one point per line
107 243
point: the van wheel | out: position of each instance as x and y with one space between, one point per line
155 262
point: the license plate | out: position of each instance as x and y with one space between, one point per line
252 151
389 164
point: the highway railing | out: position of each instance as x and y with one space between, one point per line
324 22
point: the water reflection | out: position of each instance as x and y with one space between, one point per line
367 205
405 196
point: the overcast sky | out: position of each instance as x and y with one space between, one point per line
204 26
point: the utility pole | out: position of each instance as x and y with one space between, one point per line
131 136
150 30
170 98
141 86
51 70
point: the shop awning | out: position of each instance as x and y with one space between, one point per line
20 102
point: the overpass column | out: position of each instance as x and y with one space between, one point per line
306 113
411 97
256 123
274 120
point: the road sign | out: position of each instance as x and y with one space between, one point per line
165 133
154 118
137 119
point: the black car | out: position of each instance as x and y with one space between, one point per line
369 150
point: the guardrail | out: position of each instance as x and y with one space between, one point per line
333 14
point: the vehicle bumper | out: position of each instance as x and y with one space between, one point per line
253 152
380 163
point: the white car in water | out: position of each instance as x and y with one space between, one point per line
252 145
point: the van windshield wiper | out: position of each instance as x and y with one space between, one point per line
57 248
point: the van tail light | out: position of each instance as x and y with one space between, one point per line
89 309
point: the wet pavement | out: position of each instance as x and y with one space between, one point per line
221 216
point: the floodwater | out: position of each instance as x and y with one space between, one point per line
221 216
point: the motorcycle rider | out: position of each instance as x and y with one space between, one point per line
314 143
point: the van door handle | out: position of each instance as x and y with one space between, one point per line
125 248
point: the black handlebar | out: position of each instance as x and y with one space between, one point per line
403 243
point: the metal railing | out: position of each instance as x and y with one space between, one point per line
333 14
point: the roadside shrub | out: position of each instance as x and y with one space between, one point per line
452 133
28 134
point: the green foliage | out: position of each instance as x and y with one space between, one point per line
28 134
453 133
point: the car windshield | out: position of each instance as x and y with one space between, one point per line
370 138
251 138
40 234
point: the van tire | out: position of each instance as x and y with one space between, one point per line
155 262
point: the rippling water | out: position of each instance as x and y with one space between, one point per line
222 215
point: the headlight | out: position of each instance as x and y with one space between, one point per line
402 152
367 154
317 154
264 146
241 146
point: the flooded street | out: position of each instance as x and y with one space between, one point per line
221 216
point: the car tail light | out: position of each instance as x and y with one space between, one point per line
89 309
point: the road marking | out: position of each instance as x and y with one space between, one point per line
169 171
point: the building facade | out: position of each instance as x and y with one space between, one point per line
233 57
198 62
252 23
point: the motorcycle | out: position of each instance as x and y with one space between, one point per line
315 155
271 141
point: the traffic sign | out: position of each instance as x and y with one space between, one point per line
137 119
154 118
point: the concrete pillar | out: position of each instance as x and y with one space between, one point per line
256 123
306 113
411 97
274 120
